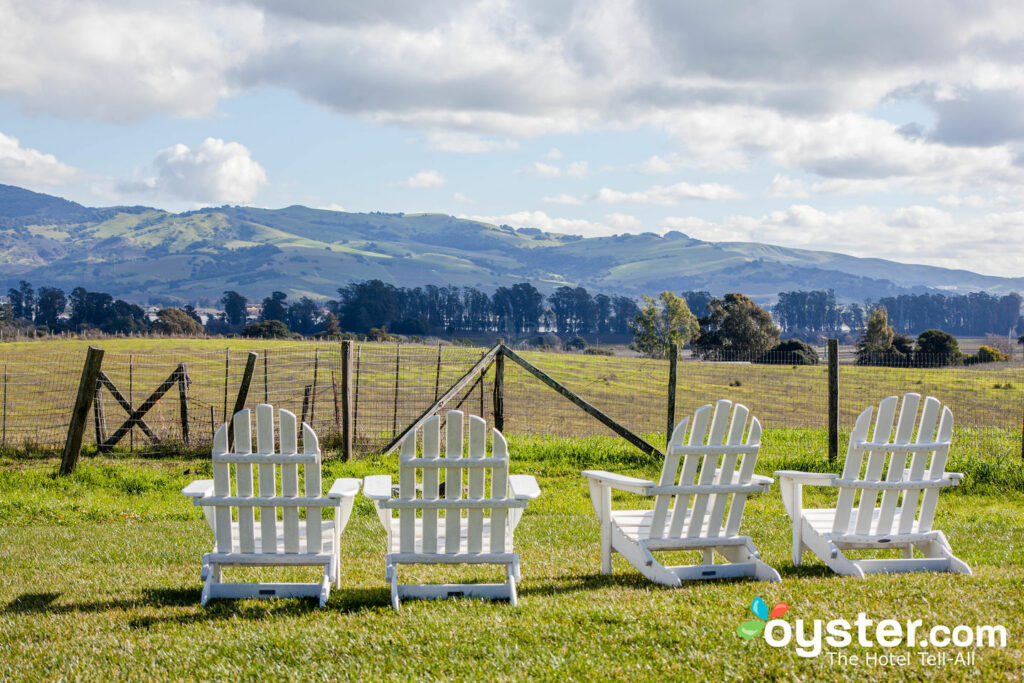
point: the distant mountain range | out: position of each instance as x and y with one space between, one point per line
143 254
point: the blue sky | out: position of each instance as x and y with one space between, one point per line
871 128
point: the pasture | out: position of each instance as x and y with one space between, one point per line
395 383
99 579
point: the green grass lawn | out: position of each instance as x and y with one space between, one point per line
99 578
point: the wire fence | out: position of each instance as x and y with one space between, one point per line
393 384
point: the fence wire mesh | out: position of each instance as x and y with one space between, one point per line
393 384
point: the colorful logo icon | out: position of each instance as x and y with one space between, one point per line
752 629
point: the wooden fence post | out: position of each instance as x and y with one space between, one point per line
80 414
227 362
348 423
499 388
398 366
305 402
437 375
131 399
312 398
355 389
243 394
670 418
183 401
266 386
99 415
833 400
4 442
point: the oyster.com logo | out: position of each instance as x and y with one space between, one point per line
753 628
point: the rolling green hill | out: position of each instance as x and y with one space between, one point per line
142 254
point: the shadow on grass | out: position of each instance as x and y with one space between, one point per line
345 601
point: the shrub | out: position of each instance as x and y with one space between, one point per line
986 354
268 329
790 352
598 351
577 343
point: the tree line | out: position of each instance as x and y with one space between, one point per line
816 313
708 324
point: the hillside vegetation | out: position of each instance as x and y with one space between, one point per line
134 252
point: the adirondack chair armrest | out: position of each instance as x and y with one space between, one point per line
619 481
344 488
199 489
523 486
954 477
377 487
762 479
805 478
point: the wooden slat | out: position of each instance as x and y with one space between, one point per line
897 462
431 451
875 463
289 485
477 449
243 483
453 482
701 419
669 471
407 492
499 490
717 501
931 497
732 524
918 462
282 458
222 487
267 477
314 487
851 470
719 424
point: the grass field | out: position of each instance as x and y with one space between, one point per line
43 378
99 579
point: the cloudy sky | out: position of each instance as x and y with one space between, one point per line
874 128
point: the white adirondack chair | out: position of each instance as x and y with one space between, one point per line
690 503
903 517
432 529
243 541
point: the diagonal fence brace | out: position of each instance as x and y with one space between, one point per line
136 415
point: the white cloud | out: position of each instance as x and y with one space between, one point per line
577 169
214 172
669 194
31 168
467 143
913 234
331 207
545 170
562 199
554 153
123 61
424 179
623 222
614 223
783 186
459 197
657 164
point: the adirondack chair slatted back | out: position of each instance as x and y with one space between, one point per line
894 454
715 453
443 528
299 536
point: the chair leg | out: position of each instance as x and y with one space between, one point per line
391 574
940 548
213 575
513 598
